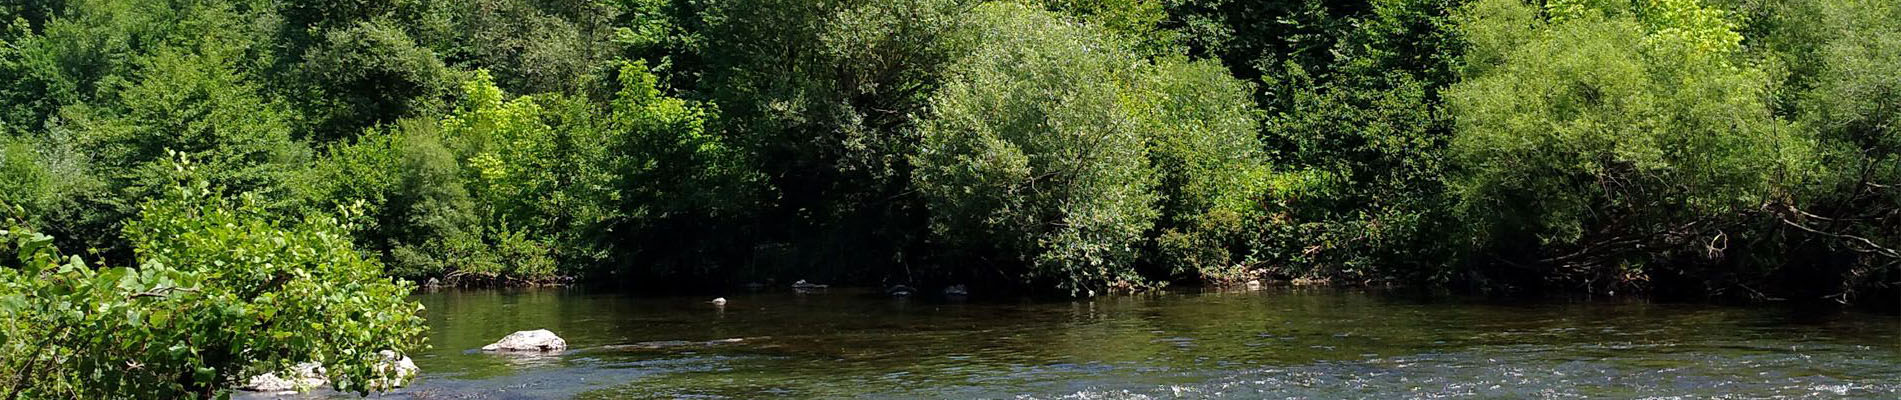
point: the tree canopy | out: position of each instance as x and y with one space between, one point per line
1727 149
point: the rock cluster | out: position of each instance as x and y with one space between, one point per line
312 375
304 376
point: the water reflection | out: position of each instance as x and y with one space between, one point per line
1274 343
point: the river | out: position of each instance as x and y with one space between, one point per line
1276 343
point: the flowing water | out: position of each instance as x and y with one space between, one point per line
1267 344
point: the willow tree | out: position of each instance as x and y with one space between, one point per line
1844 63
1594 138
1055 149
1855 107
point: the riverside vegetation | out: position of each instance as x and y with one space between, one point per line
198 190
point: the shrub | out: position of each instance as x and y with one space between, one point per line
221 292
1059 149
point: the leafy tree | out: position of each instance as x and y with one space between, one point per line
1257 39
1369 136
438 226
530 50
221 292
1139 21
681 189
1854 107
670 35
1058 149
96 43
1605 136
362 173
367 75
1200 134
822 94
33 13
1834 237
191 102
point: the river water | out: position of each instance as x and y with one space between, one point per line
1277 343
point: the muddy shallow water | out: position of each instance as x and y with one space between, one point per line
1277 343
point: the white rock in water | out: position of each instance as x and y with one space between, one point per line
718 301
305 376
535 340
399 370
899 291
310 375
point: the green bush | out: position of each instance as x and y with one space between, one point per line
824 96
1606 137
364 76
1843 67
221 292
1057 150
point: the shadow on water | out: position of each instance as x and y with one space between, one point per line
1322 343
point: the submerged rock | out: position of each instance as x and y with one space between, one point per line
899 291
956 290
535 340
1254 284
802 284
663 344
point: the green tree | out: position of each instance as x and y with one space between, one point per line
1836 235
187 101
1598 138
1199 125
1257 39
366 75
532 46
1368 134
1140 21
682 192
84 49
1056 149
823 95
438 228
34 13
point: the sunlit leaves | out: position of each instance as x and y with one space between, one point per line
1584 130
203 310
1058 149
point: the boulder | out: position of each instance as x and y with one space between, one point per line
400 370
304 376
535 340
310 375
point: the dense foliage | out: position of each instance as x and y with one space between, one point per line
1604 138
1060 149
1733 148
220 292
